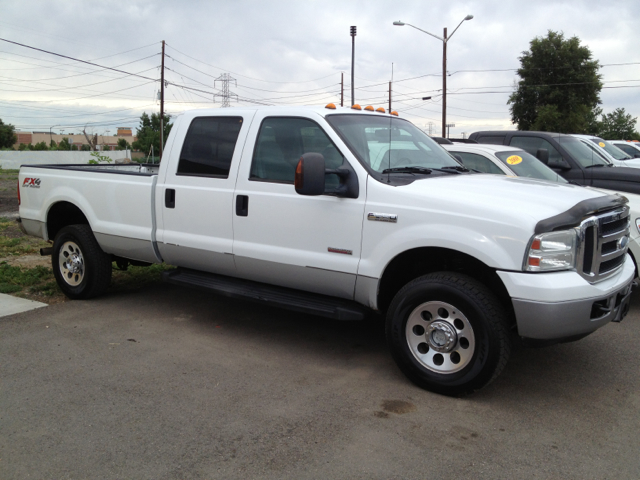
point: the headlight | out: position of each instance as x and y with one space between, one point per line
552 251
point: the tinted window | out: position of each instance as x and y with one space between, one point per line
612 150
477 162
280 144
491 140
585 152
628 149
533 144
209 145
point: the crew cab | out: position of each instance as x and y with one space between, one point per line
568 156
340 213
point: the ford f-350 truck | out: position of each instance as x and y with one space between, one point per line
339 212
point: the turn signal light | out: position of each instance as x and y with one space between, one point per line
299 178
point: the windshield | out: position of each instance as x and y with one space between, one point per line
524 164
612 150
382 143
585 154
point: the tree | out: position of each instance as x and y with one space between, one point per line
148 132
41 146
618 125
64 144
559 86
8 136
85 147
123 145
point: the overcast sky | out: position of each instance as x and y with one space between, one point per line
292 53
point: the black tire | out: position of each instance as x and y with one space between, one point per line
81 268
447 317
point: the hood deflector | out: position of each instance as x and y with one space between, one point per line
573 216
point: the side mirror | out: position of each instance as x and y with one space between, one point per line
309 179
543 155
458 157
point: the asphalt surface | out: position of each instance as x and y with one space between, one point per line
170 383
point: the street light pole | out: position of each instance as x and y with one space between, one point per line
444 39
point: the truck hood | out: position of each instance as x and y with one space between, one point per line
503 198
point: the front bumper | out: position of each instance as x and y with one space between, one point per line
564 305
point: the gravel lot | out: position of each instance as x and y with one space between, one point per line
165 382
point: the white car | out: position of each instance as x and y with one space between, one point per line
505 160
611 152
630 148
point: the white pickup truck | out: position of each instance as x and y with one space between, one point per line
340 212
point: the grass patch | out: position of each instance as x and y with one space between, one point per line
9 171
15 279
14 243
136 277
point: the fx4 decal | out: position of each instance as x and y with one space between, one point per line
31 183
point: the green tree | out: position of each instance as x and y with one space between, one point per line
8 135
64 144
23 146
559 86
123 144
148 132
40 146
85 148
53 145
618 125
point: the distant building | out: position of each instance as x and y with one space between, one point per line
104 142
124 132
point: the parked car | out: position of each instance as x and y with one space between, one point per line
614 154
567 156
630 148
338 213
501 160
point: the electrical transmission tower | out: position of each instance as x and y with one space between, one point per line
225 78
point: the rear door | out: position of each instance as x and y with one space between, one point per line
196 200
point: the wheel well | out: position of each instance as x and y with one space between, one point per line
421 261
61 215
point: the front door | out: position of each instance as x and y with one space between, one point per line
310 243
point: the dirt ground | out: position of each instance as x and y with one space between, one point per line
8 193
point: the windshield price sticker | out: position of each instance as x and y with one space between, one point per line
601 144
514 159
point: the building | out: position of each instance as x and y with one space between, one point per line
105 142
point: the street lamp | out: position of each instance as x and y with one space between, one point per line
444 39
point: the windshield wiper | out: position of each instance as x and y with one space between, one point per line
458 168
408 170
597 165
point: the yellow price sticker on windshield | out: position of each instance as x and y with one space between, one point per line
514 160
601 144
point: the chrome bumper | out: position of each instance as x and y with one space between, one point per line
560 320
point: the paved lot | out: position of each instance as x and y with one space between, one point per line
166 382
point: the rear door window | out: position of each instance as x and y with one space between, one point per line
208 147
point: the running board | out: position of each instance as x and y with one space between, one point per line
271 295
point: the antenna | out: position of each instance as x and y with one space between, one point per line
225 78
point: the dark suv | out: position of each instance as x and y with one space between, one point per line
569 157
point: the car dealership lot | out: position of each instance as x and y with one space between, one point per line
166 382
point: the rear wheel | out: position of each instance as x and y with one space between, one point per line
448 333
80 267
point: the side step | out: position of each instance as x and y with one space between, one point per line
271 295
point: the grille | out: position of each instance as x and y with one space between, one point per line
603 244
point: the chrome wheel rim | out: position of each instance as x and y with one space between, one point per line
71 263
440 337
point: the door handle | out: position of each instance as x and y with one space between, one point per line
242 205
170 198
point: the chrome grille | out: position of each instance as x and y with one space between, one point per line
603 243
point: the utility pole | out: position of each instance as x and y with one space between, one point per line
430 128
162 102
225 78
444 81
353 56
342 89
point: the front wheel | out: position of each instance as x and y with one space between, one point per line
448 333
80 267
